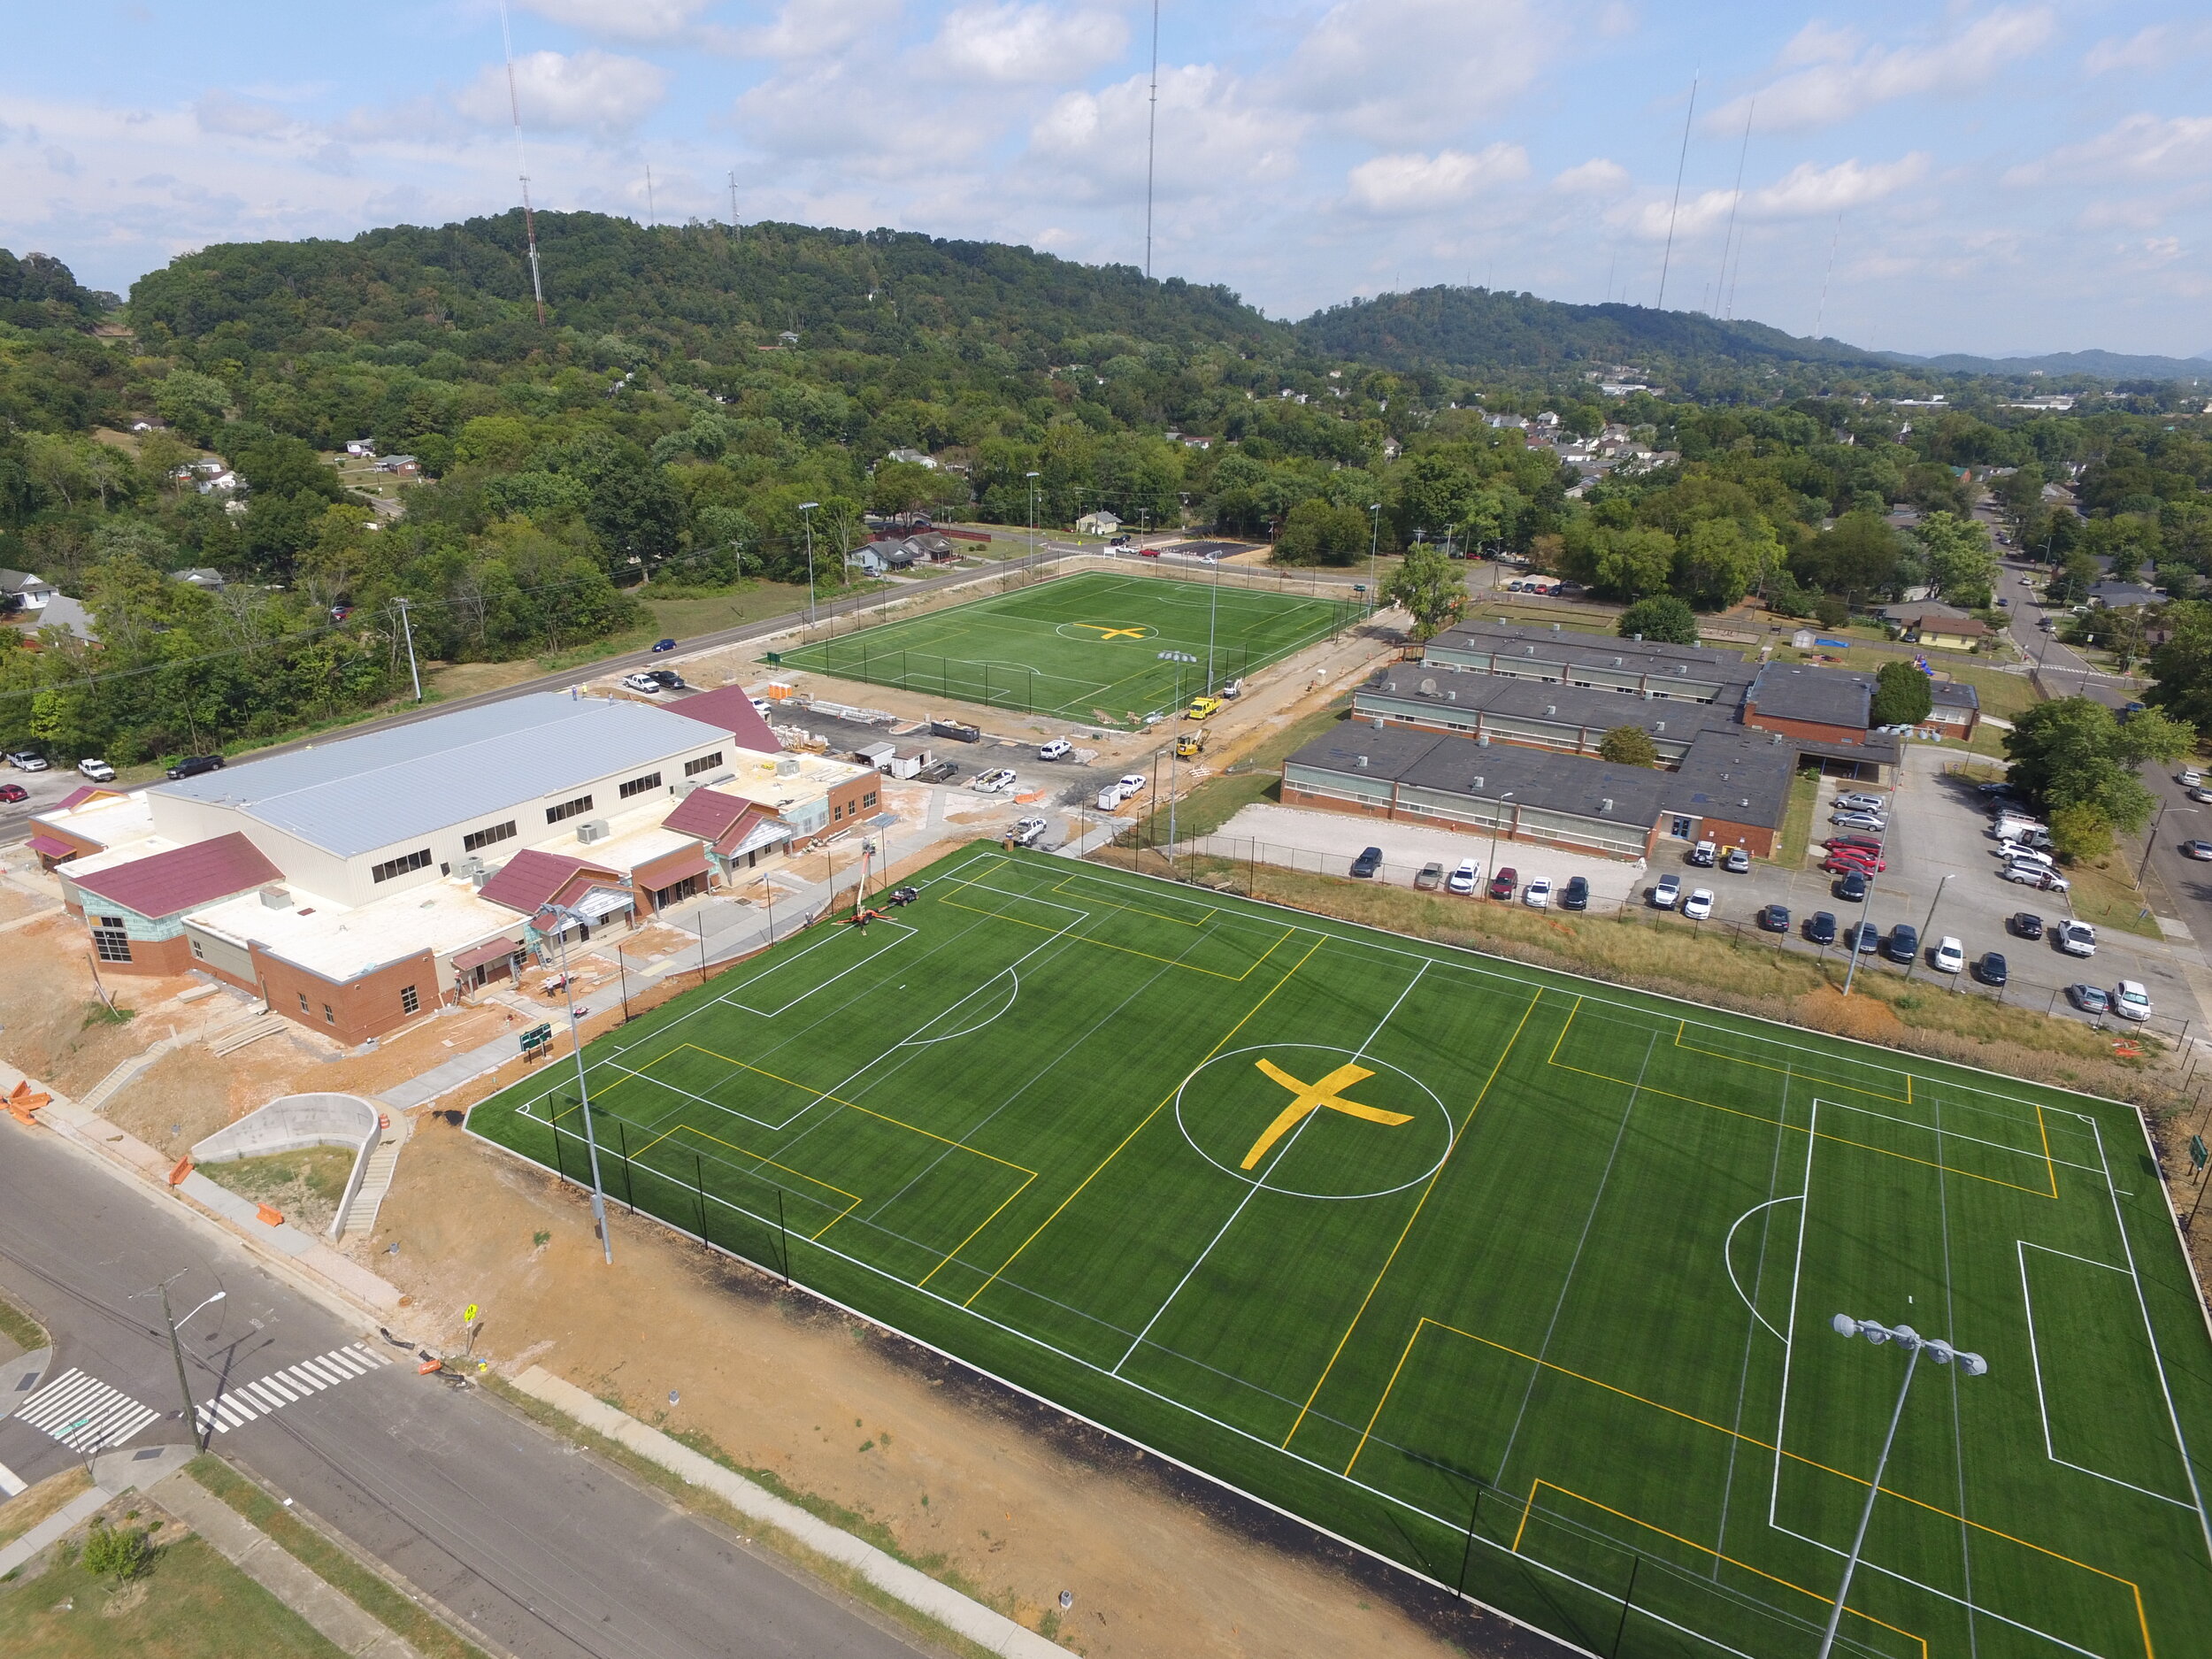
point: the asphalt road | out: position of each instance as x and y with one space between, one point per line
547 1552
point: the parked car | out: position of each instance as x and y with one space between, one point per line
664 645
761 707
1464 879
1369 862
1775 919
193 765
937 772
2027 925
1999 792
1059 748
642 681
2032 876
2075 939
2091 999
995 781
1867 842
1027 832
1737 861
1991 968
1862 802
2131 1001
1851 888
98 771
1668 893
1950 955
1858 821
667 678
1703 854
1820 928
1537 894
1577 896
1429 878
1503 882
1131 783
2014 853
1698 906
27 760
13 793
1867 937
2196 850
2189 777
1842 864
1904 942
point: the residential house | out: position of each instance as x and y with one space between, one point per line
1944 626
1100 523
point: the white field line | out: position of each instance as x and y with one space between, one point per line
1958 1422
1751 1302
1789 1338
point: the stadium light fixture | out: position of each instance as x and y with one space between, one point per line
564 913
1914 1345
806 512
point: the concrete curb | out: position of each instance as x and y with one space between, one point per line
968 1617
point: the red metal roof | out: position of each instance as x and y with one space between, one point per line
706 813
532 879
691 862
49 847
490 950
83 793
730 709
165 884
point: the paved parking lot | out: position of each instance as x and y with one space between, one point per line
45 788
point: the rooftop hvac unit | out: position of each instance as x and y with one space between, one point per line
480 877
1605 805
1378 723
1661 726
1360 761
1550 709
470 866
592 830
786 765
1482 740
1428 688
1745 802
1476 785
276 899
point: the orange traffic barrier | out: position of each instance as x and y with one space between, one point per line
183 1168
275 1217
429 1365
23 1100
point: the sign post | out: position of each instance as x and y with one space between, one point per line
537 1041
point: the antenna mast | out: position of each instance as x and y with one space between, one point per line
1729 306
651 217
529 220
1151 127
732 198
1681 161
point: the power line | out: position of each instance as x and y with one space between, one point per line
1681 161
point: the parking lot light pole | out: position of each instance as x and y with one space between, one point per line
2151 841
1502 799
1865 904
1928 926
806 516
1374 544
562 914
1031 477
1914 1345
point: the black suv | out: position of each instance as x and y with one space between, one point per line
1577 897
193 765
1368 862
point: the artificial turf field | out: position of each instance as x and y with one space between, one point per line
1086 647
1505 1275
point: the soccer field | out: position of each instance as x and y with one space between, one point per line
1519 1280
1099 649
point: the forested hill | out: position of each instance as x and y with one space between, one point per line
1477 331
38 291
879 292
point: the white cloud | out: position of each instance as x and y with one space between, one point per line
821 28
1209 135
1396 70
1022 45
1809 189
1594 177
226 113
592 91
621 20
2157 47
1839 86
2140 147
1818 44
1417 183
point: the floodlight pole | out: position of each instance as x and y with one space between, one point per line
407 629
1872 875
564 913
1374 545
1502 799
1031 477
806 516
1928 926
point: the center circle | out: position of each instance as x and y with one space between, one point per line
1229 1099
1108 633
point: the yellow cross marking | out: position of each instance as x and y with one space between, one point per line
1308 1098
1105 632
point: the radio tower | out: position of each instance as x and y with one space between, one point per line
522 162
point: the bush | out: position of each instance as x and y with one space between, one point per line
120 1552
1629 746
1830 611
1663 618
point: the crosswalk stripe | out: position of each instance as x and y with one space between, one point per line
305 1376
329 1372
344 1362
261 1395
243 1402
84 1413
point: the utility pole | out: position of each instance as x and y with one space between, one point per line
176 1353
407 629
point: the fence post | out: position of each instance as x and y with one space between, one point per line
1634 1562
785 1237
622 1141
699 1190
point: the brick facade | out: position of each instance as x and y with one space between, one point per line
356 1010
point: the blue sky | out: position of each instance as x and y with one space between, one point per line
1992 178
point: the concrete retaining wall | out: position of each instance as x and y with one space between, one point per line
293 1121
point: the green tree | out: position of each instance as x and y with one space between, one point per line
904 487
1316 533
1902 696
1633 563
1629 746
194 403
117 1552
1961 565
1718 561
2072 752
1664 619
1856 557
1431 586
2079 831
2181 668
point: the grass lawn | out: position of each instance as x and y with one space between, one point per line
20 1328
193 1604
1797 818
305 1185
1099 647
1488 1269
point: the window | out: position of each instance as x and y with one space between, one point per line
568 808
836 813
1680 829
705 763
197 951
304 1002
401 865
487 836
109 940
409 1002
329 1018
639 786
867 801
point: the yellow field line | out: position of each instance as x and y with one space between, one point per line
787 1170
2050 1164
1434 1176
1209 913
963 1243
2142 1619
1085 939
1707 1549
1553 1058
1288 976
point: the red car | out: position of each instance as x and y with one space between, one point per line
1839 864
13 792
1503 884
1862 855
1866 841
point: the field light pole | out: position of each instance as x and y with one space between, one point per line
564 913
1914 1345
806 516
1031 477
1374 544
176 1352
1928 926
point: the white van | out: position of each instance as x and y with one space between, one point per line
2011 829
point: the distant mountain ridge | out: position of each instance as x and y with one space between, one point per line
2104 366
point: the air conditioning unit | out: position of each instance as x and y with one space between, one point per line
276 899
592 830
686 787
471 867
786 765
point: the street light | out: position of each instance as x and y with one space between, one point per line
806 509
564 913
1374 541
1494 816
1928 926
2151 841
1914 1345
176 1352
1866 904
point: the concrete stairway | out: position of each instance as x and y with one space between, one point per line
360 1217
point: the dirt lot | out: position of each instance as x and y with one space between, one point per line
1014 1502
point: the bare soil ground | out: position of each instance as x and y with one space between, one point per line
1005 1496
